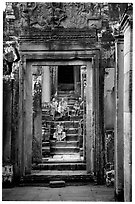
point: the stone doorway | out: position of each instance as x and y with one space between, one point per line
45 124
31 66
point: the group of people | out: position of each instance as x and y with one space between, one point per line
60 108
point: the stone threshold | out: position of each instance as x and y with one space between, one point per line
57 172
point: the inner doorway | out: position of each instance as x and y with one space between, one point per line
49 125
66 78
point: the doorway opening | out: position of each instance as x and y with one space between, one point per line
66 78
58 125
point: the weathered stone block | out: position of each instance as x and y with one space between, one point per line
128 39
57 184
127 62
128 80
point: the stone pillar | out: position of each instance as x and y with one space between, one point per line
128 114
28 119
7 117
118 131
46 89
56 79
89 118
126 26
98 120
76 79
83 78
37 121
20 149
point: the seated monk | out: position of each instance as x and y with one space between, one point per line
59 134
63 107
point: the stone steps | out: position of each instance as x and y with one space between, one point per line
71 126
67 124
63 150
60 166
72 137
63 144
42 177
75 158
68 130
69 97
66 93
71 130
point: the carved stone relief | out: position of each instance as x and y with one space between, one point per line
51 15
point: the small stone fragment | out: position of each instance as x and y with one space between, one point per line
57 184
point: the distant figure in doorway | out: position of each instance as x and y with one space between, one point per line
63 107
81 102
76 108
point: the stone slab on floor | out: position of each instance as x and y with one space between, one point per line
57 184
69 193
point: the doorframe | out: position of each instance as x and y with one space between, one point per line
25 109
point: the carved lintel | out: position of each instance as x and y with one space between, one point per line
52 15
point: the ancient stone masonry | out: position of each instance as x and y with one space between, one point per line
58 41
118 125
37 115
11 58
127 28
67 15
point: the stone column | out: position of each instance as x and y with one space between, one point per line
127 27
20 149
76 80
37 121
28 119
118 131
89 118
56 80
7 123
83 77
98 120
46 89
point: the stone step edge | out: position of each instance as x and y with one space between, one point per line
60 163
66 143
63 121
59 147
60 166
55 152
67 177
63 142
62 153
66 128
53 161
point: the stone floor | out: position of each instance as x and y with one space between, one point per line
78 192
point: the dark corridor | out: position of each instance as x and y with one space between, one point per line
65 75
